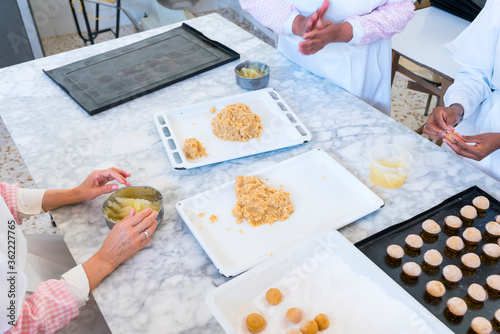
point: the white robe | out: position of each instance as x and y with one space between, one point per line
477 85
364 71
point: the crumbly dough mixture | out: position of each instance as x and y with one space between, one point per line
236 122
259 203
194 149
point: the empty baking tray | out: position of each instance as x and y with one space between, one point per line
112 78
374 247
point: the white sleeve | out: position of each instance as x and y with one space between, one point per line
29 201
78 283
470 89
288 24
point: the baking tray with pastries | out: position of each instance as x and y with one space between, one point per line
447 258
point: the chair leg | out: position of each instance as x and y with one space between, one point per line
427 105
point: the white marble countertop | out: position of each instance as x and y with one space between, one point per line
163 288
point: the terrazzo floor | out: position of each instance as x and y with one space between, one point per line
407 108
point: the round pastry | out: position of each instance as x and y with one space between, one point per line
481 325
309 327
493 229
497 316
477 293
481 203
293 331
468 213
455 244
453 222
497 219
274 296
493 282
322 321
457 306
435 289
472 235
491 251
471 261
433 258
431 228
256 323
294 315
395 252
414 242
452 273
412 269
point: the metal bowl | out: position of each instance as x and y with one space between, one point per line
252 83
143 192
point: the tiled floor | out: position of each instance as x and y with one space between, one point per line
407 108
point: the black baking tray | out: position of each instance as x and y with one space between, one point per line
374 247
115 77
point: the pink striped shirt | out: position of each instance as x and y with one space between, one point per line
47 310
382 23
52 306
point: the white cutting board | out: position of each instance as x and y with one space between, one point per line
281 128
324 194
326 274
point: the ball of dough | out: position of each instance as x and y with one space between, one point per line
493 229
452 273
274 296
455 244
414 241
457 306
435 289
493 282
471 261
433 258
396 252
481 325
468 213
309 327
431 228
294 315
491 251
453 222
256 323
293 331
412 269
472 235
481 203
477 293
322 321
497 316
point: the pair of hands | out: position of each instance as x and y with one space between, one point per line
126 238
318 31
441 124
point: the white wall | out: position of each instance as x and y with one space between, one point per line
54 18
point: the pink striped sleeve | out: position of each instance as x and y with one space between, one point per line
8 193
47 310
270 13
385 21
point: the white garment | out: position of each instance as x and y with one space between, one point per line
476 86
364 71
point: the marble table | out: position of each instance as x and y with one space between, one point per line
163 288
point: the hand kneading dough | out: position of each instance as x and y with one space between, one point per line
256 323
235 122
193 149
259 203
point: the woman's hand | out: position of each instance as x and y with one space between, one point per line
442 121
93 186
96 185
327 32
303 24
475 147
124 240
